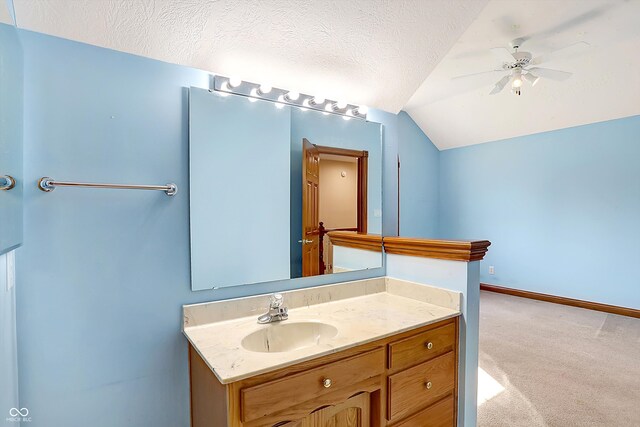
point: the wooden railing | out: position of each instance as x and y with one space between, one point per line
324 231
454 250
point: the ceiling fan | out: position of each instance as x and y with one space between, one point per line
521 66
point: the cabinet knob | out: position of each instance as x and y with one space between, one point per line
429 345
326 382
428 385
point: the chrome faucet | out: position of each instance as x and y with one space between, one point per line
276 311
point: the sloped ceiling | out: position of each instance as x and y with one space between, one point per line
5 16
605 84
371 52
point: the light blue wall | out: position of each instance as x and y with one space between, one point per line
389 169
11 141
419 180
11 111
102 274
561 208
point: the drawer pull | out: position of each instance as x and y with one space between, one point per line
429 345
326 382
428 385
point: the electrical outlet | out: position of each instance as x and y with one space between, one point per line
492 270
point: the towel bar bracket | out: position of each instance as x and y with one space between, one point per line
7 182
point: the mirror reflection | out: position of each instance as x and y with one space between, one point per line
336 179
312 186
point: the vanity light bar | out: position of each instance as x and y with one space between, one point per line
284 97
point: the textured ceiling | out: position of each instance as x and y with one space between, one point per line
5 16
605 84
371 52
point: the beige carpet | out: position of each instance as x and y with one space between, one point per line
559 365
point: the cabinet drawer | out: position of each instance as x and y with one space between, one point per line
422 347
440 414
421 385
271 397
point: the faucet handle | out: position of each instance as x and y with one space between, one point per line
276 300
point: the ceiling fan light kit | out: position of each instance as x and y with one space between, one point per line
520 66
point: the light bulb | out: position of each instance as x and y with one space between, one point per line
317 100
305 103
346 118
254 92
349 112
531 78
292 96
341 104
235 81
517 79
363 109
280 104
265 89
328 108
225 86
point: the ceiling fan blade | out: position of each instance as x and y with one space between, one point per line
573 48
569 24
574 22
548 73
500 85
477 74
503 54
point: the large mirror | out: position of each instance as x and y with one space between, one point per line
278 192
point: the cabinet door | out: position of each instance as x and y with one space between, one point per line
354 412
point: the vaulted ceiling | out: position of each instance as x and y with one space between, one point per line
605 83
387 54
371 52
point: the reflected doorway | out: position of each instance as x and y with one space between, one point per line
334 198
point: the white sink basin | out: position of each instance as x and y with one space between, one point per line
287 336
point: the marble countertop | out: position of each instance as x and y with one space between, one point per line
362 311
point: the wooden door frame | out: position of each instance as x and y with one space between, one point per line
363 176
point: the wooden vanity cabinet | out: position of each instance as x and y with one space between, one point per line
405 380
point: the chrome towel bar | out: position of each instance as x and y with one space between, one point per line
49 184
7 182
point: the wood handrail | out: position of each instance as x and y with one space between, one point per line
367 242
454 250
